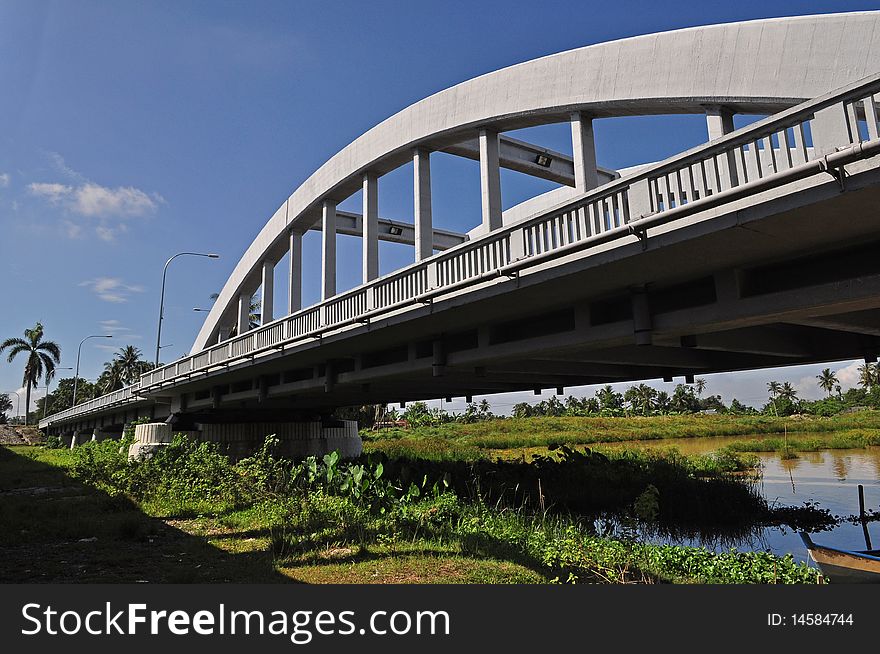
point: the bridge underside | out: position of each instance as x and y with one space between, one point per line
788 280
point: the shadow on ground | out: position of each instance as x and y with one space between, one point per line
54 529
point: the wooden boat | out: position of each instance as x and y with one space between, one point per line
845 566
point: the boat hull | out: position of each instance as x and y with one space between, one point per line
843 566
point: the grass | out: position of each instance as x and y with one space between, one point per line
193 516
849 439
458 440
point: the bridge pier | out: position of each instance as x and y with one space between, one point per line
296 439
99 435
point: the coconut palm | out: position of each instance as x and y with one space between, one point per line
42 357
827 380
700 386
111 379
787 392
131 365
869 375
773 388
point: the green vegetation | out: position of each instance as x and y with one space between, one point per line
377 519
848 439
471 440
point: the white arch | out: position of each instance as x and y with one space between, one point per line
750 67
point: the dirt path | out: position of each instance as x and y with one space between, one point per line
14 435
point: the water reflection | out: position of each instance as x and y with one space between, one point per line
829 478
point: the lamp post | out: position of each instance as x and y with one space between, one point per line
78 352
162 295
17 403
46 399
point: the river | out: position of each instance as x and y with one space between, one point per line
829 478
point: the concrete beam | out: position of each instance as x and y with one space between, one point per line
522 157
351 224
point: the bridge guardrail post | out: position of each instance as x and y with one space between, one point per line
831 129
431 273
639 199
517 245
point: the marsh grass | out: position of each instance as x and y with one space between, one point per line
507 433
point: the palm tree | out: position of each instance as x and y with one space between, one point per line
131 365
111 379
827 380
700 386
869 375
42 356
787 392
774 387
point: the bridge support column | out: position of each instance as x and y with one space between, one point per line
244 314
422 204
586 173
328 250
152 436
294 293
266 306
490 180
641 312
371 227
719 121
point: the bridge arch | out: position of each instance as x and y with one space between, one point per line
757 67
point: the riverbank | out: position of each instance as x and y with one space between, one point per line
513 437
191 515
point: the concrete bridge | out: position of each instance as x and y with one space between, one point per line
756 249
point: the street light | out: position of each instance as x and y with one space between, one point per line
199 309
46 399
78 351
162 295
17 403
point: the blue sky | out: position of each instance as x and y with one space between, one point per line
131 130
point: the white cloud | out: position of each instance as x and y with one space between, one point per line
4 180
111 289
94 200
109 207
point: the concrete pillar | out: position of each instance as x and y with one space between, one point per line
422 204
268 292
583 145
490 180
294 297
370 239
719 121
244 311
328 251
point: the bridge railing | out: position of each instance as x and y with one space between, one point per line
122 396
741 161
